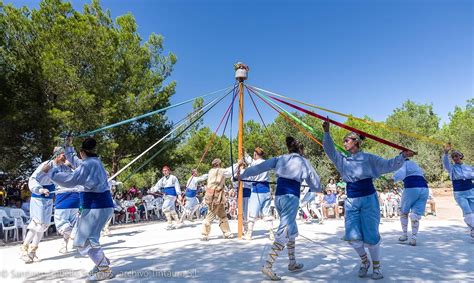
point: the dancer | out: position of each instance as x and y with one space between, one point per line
246 194
414 198
66 211
215 200
362 207
463 189
41 204
260 198
192 202
169 186
96 202
291 169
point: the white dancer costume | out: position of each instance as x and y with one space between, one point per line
463 188
169 186
41 206
414 198
192 202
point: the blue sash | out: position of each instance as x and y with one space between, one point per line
91 200
247 192
261 187
462 185
51 188
287 186
360 188
67 200
190 193
169 191
415 182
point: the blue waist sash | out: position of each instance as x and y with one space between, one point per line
287 186
91 200
415 182
67 200
247 192
51 188
170 191
261 187
462 185
360 188
190 193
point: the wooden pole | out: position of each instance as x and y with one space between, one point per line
241 156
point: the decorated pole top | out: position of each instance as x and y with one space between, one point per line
241 71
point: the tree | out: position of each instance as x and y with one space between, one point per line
460 130
75 72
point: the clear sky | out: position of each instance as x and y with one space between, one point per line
358 57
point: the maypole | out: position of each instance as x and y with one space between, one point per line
241 71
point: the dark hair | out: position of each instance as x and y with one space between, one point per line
88 147
292 145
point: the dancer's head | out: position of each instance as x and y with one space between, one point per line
88 148
258 153
59 155
292 145
457 156
216 162
353 142
166 170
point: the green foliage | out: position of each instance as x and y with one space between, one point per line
460 129
64 71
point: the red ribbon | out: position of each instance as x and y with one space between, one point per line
380 140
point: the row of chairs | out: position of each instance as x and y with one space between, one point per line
150 204
16 222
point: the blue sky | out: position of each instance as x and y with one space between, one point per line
358 57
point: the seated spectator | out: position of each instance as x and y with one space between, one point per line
331 186
341 198
330 201
25 192
131 208
139 204
341 184
119 211
133 190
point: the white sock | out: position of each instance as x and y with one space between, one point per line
29 236
358 247
374 251
415 224
37 238
404 222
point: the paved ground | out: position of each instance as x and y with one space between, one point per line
147 252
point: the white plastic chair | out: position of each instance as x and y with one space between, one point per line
18 215
158 204
149 206
6 228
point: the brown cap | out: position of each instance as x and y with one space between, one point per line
216 161
259 151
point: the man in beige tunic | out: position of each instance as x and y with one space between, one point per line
215 200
